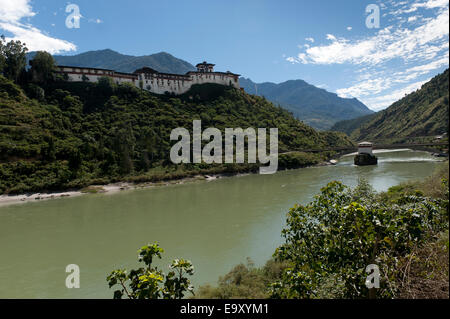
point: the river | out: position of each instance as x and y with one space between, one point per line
215 224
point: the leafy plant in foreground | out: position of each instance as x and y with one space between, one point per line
151 283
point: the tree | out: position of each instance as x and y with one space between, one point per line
42 67
106 85
13 58
151 283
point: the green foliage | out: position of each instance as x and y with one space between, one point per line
35 92
42 67
13 58
76 134
245 281
149 282
435 186
9 90
424 272
298 159
348 126
330 241
106 85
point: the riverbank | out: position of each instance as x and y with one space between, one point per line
127 185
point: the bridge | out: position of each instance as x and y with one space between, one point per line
375 146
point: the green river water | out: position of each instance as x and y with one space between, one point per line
215 224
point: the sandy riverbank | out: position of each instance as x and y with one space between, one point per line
104 189
116 187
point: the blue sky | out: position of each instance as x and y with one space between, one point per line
324 42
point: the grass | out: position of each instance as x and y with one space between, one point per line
429 187
244 281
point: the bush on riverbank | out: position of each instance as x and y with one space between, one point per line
244 281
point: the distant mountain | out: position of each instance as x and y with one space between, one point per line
109 59
316 107
421 113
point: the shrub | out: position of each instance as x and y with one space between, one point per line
337 235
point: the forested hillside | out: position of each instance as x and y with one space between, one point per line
348 126
61 135
421 113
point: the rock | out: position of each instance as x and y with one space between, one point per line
365 159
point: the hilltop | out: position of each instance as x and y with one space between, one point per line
348 126
71 135
421 113
315 106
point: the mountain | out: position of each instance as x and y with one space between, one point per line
421 113
348 126
316 107
109 59
73 134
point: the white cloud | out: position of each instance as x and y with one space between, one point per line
383 101
310 40
386 45
331 37
349 28
425 68
13 11
11 14
430 4
365 87
98 21
388 64
292 60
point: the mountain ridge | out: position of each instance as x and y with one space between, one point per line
109 59
315 106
